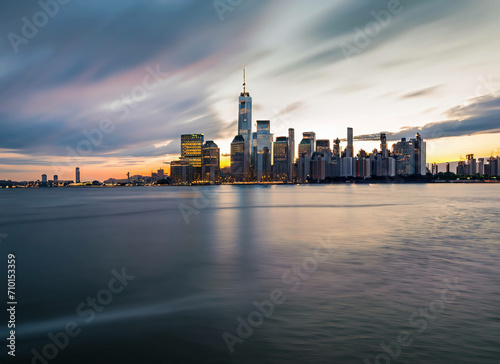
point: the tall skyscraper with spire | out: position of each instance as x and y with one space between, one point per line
245 112
245 122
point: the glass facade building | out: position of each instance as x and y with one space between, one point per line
210 163
191 145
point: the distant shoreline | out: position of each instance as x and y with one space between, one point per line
9 185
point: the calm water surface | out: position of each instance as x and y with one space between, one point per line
358 265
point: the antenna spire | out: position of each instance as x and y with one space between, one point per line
244 80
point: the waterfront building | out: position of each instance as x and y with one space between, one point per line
245 124
191 145
470 165
263 158
281 159
349 150
323 146
77 175
303 168
210 163
181 172
410 156
318 167
238 158
291 153
336 148
308 143
480 166
404 152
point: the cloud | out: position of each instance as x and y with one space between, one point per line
424 92
480 116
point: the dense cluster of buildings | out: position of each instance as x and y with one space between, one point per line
489 167
259 157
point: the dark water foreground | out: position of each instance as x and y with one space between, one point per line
276 274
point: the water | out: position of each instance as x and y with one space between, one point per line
375 261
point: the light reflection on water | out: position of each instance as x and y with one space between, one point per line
391 248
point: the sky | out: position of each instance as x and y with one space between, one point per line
110 86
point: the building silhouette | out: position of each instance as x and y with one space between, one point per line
245 123
281 159
210 164
238 158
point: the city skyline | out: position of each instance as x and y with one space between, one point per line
367 66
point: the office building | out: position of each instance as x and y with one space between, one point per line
191 145
480 166
181 172
238 158
461 168
494 166
410 156
323 146
77 175
210 163
56 178
318 167
44 178
404 152
303 168
245 124
336 148
281 159
470 165
349 150
291 153
263 158
383 145
420 155
307 145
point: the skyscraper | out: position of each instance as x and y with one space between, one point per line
238 158
291 153
323 145
281 159
420 155
77 177
336 148
383 145
410 156
308 143
349 151
245 122
404 152
191 145
44 178
263 158
210 164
